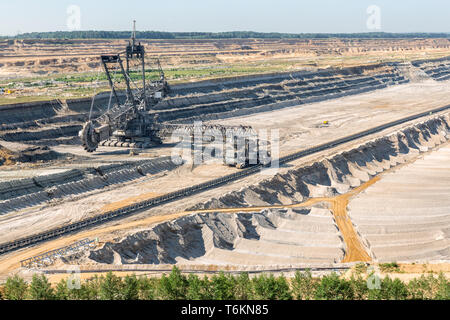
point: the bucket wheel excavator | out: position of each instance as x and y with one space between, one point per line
128 123
124 125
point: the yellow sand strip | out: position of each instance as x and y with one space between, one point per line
355 251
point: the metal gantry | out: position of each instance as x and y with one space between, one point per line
49 257
130 124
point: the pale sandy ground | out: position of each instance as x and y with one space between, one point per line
298 126
406 215
292 242
300 238
298 130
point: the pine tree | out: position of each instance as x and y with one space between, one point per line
303 285
131 288
110 287
62 290
148 288
223 287
331 287
15 288
443 288
359 288
243 287
271 288
40 288
173 287
198 289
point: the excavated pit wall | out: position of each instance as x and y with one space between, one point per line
194 237
49 123
57 122
237 97
23 193
438 69
227 236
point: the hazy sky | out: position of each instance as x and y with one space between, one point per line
293 16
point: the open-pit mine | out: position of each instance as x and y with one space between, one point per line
359 170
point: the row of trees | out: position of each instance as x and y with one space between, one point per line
227 287
218 35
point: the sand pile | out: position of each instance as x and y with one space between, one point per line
257 238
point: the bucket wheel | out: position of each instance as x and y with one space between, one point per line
88 137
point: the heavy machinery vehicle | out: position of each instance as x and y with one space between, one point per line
127 123
130 123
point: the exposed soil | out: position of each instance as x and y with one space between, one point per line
72 186
288 235
41 57
405 217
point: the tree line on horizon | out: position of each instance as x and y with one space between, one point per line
218 35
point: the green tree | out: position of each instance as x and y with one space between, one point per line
422 288
198 289
243 287
62 291
389 290
173 287
359 287
271 288
331 287
223 287
303 287
131 288
89 290
443 288
148 288
397 290
15 288
111 287
40 288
